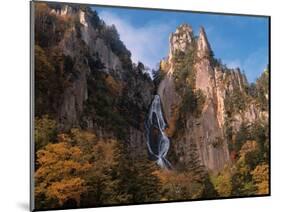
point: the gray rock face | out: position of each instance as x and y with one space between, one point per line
85 43
76 93
169 97
212 143
108 58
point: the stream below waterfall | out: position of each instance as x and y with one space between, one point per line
158 143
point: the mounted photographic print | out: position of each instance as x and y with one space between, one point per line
138 105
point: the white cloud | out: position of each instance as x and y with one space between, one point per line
233 64
253 65
256 63
147 43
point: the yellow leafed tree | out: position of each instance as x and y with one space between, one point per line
261 178
57 179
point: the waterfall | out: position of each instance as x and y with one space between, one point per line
158 143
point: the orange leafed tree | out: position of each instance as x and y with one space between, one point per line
261 178
57 180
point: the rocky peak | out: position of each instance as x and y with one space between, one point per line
181 39
203 46
237 80
83 19
64 10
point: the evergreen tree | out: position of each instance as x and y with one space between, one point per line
200 172
194 164
136 181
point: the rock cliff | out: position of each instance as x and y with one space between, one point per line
95 84
192 59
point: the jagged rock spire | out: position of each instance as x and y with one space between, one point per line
181 39
203 46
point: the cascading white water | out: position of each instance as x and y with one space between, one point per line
158 143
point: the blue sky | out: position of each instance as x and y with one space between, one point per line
239 41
